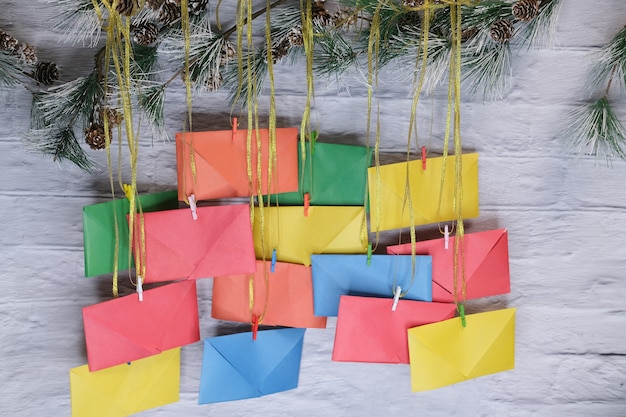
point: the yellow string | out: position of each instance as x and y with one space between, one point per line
307 40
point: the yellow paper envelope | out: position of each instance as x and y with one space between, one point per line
425 187
445 353
126 389
326 229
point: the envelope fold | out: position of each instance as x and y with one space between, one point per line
445 353
389 210
369 331
125 329
284 297
337 275
486 262
237 367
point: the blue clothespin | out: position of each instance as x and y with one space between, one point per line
461 308
369 254
273 267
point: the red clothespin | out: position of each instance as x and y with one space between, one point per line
446 236
307 203
193 206
255 326
234 128
424 158
273 266
461 308
396 298
369 254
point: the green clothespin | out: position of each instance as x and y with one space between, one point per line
461 308
369 254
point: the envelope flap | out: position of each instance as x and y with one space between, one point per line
346 223
285 371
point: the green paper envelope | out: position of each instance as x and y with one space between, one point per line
337 176
99 230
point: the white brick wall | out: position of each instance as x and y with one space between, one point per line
565 217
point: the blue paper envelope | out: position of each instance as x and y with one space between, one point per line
337 275
235 367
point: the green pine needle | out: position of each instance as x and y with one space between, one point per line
151 102
540 32
333 54
489 72
60 144
595 129
9 70
611 62
78 22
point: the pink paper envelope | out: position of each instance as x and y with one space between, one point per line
177 247
486 256
126 329
369 331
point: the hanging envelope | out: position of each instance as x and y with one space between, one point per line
286 299
337 275
219 242
126 329
99 230
295 236
126 389
392 209
446 353
220 160
235 367
486 260
334 176
369 331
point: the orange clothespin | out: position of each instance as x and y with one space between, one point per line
424 158
234 128
255 326
307 203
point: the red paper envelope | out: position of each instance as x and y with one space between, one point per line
126 329
220 160
486 256
290 301
177 247
369 331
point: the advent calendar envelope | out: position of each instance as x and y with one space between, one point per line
369 331
335 175
445 353
221 166
295 236
235 367
486 258
126 329
219 242
126 389
337 275
99 230
393 211
286 298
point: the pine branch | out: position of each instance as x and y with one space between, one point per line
9 70
59 143
488 72
78 22
540 32
610 62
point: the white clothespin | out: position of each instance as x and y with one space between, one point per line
396 298
446 236
139 288
193 207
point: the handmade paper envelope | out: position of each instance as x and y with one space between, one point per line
337 275
335 175
445 353
219 242
369 331
486 260
236 367
221 165
126 329
126 389
295 236
99 230
285 299
393 211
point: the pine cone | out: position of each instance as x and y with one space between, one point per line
145 33
154 4
502 30
410 18
320 14
295 36
46 73
228 53
169 13
127 7
26 54
418 3
214 82
345 17
526 10
7 42
281 49
94 136
114 116
197 7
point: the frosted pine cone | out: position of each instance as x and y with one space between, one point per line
26 53
526 10
228 53
94 136
502 31
169 13
7 42
145 33
320 14
198 7
46 73
154 4
127 7
418 3
295 36
281 49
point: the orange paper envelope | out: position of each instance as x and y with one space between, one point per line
486 257
289 293
369 331
220 161
126 329
219 242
